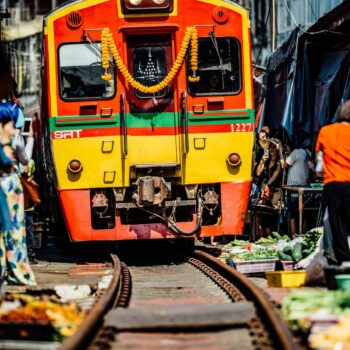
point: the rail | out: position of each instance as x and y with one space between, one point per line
94 318
252 293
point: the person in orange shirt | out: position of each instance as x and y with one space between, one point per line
334 142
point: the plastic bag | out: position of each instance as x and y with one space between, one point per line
319 164
315 264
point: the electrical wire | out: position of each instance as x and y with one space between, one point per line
292 16
312 9
263 36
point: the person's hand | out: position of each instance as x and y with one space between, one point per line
265 157
283 163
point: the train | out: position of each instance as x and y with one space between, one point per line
147 118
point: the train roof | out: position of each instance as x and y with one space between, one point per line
60 7
70 2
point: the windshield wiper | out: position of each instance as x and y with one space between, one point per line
221 62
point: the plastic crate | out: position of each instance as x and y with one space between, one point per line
254 266
286 279
288 265
21 330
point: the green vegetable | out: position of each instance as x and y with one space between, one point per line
238 243
288 250
259 255
300 305
297 252
276 235
284 256
286 238
304 245
307 252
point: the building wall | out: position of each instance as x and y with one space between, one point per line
289 13
21 36
23 31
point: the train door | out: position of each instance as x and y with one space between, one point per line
152 121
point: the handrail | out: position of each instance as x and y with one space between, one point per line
184 117
123 124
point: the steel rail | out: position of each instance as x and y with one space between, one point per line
94 319
276 325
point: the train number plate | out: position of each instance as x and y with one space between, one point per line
242 127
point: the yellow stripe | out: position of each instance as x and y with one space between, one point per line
121 15
209 165
205 162
51 42
246 47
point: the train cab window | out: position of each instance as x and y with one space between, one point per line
218 67
80 73
149 68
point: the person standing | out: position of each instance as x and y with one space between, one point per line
28 173
14 264
299 165
334 143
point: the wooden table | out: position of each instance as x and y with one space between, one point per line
300 191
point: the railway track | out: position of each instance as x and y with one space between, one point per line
185 302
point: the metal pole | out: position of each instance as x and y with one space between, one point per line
273 19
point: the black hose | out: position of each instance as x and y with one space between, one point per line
180 232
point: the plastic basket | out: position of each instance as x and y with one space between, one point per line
254 266
288 265
286 279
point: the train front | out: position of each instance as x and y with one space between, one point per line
150 117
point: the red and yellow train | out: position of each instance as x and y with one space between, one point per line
147 117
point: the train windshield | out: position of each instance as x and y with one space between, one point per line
150 68
80 73
218 67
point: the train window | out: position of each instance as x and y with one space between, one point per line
218 67
80 73
149 68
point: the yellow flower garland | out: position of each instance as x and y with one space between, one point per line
108 45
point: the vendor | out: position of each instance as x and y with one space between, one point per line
299 165
269 172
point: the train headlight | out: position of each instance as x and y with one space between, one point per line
147 6
75 166
234 159
135 2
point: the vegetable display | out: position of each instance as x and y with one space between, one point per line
63 317
275 246
302 305
328 339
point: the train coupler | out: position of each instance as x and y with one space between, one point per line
151 190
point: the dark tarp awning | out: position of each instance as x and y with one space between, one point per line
309 77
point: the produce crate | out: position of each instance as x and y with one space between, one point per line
288 265
254 266
21 330
286 279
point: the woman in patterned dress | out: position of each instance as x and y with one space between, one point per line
14 264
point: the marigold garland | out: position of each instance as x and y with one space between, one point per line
108 45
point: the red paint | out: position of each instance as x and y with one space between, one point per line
76 209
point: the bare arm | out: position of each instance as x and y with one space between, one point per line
274 175
260 168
